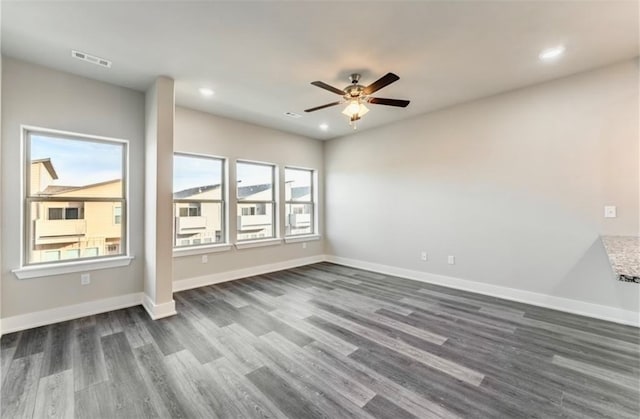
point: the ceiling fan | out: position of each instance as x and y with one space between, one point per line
357 95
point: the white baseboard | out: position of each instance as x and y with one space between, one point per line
159 311
45 317
583 308
60 314
201 281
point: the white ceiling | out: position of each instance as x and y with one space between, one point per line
259 57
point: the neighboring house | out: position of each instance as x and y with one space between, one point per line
62 229
198 222
298 215
71 229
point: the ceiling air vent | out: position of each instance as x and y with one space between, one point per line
91 58
292 115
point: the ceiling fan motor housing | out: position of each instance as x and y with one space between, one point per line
354 90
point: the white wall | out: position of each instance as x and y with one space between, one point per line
1 270
34 95
513 185
198 132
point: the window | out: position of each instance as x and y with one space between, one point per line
70 196
113 249
299 205
191 210
117 215
256 200
56 213
72 213
198 200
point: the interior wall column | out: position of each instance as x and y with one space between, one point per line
158 268
1 229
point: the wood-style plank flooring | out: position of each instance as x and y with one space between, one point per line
325 341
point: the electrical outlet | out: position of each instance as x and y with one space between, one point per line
85 279
304 245
610 211
205 259
451 260
423 256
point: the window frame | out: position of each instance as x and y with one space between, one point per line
275 234
28 200
312 202
223 201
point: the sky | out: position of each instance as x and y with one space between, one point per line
79 162
193 171
298 177
82 162
253 174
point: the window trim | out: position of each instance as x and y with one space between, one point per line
34 270
66 267
223 201
275 211
312 194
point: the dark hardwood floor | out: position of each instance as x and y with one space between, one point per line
325 341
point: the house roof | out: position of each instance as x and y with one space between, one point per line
48 165
58 189
247 191
186 193
243 191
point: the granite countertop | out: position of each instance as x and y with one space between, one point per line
624 255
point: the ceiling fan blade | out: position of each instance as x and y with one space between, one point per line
317 108
390 102
383 81
325 86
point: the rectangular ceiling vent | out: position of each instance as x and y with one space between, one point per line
292 115
91 58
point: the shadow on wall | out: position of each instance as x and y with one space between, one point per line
594 263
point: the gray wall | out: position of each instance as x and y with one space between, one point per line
198 132
34 95
513 185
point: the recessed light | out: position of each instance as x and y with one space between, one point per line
551 53
205 91
323 127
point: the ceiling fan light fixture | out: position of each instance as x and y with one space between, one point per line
355 108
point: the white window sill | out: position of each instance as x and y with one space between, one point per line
201 250
38 271
258 243
305 238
